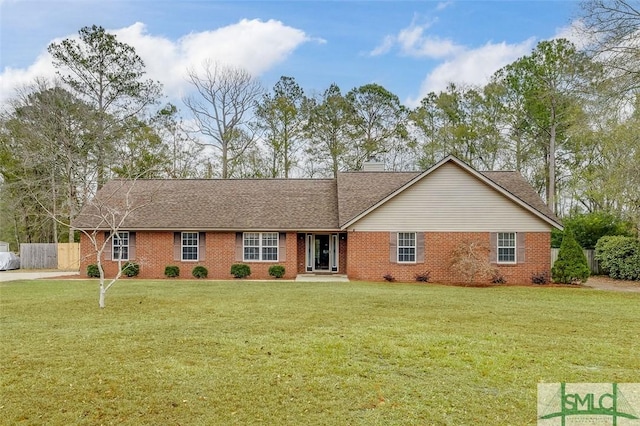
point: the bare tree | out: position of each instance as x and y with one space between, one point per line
187 157
106 215
613 27
222 109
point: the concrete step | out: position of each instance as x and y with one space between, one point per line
322 277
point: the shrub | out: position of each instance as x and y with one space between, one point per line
131 269
171 271
276 271
571 267
200 272
539 278
619 257
93 271
389 278
423 277
240 270
588 228
470 260
498 278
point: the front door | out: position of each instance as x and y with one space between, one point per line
322 252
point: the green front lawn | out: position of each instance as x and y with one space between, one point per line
201 353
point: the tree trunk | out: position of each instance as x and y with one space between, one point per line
274 164
54 208
103 292
286 152
72 213
225 160
103 289
551 187
518 152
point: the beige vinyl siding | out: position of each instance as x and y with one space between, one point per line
450 199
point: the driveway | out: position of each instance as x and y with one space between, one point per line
602 282
18 274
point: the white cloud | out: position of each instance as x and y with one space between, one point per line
575 33
460 64
252 44
475 66
14 78
384 47
443 5
412 41
471 66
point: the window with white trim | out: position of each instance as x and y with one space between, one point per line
406 247
260 246
120 245
506 247
189 246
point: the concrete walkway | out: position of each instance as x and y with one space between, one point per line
17 274
326 278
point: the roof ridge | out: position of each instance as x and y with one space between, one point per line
380 171
217 179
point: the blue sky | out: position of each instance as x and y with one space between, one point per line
409 47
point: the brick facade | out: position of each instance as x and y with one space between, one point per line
342 259
368 257
154 251
301 252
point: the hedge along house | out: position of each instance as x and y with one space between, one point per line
362 224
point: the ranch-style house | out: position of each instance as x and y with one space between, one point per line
362 224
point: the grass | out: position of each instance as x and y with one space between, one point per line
201 353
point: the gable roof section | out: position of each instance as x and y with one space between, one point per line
276 204
216 204
510 184
358 191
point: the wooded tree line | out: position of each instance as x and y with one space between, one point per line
567 119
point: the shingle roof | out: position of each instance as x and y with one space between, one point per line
212 204
263 204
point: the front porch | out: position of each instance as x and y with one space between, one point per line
322 253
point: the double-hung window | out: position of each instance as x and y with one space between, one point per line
260 246
190 246
406 247
506 247
269 246
120 246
